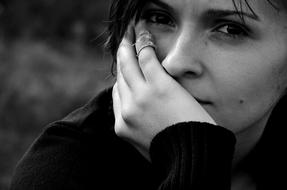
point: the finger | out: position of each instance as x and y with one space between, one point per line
116 101
148 61
123 89
120 125
116 107
129 64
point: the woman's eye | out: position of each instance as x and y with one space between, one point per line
232 30
158 18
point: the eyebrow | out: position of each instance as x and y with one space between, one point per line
162 5
217 13
225 13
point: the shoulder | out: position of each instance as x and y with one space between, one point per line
98 108
80 151
68 147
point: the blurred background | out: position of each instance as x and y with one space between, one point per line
51 62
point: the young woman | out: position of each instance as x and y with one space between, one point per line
198 103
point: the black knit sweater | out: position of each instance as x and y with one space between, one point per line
82 151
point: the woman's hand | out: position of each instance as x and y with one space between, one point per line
146 98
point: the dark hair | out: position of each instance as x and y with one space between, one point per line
123 11
276 4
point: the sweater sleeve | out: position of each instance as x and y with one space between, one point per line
193 155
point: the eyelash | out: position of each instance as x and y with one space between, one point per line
241 31
153 16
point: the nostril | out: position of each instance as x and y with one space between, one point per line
182 71
192 74
181 64
183 68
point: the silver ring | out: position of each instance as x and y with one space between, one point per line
148 44
145 40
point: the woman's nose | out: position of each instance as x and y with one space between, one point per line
183 59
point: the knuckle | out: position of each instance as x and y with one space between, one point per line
127 113
142 98
144 58
121 53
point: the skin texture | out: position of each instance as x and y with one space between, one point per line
207 67
147 99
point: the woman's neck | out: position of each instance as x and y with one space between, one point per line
246 142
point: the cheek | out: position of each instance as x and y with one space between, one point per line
165 43
248 89
255 83
281 74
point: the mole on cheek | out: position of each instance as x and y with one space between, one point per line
241 101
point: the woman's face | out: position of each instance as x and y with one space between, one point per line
236 70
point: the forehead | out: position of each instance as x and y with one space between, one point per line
195 4
280 4
271 9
